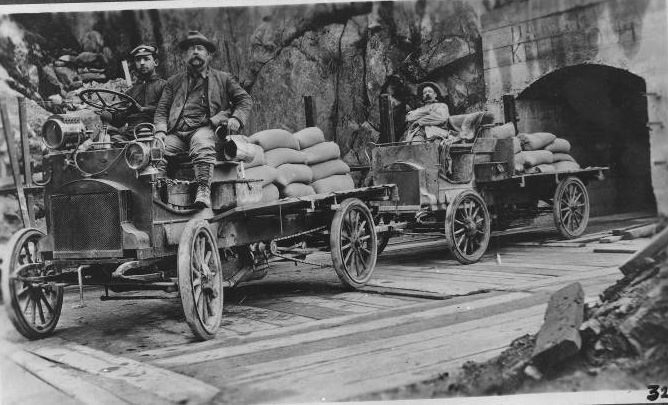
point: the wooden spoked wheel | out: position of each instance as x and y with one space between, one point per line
200 279
353 243
571 207
467 227
33 307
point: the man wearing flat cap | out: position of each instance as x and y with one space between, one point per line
147 91
193 104
429 121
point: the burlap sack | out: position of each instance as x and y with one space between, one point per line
239 148
546 168
265 173
271 139
270 193
281 156
308 137
517 145
559 145
536 141
329 168
519 162
339 182
566 166
297 190
562 157
322 152
502 131
537 157
292 173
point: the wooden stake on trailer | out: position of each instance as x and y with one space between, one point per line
14 161
386 118
310 111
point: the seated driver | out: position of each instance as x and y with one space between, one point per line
428 122
147 91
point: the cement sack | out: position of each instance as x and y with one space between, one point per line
566 166
281 156
517 145
559 145
504 131
537 157
265 173
308 137
322 152
292 173
536 141
271 139
545 168
297 190
339 182
562 157
329 168
270 193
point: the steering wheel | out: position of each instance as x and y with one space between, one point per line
108 100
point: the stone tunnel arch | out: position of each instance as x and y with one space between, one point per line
602 112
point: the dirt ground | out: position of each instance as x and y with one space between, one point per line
626 348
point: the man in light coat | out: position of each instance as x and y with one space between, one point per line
193 104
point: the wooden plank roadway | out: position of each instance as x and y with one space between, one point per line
298 336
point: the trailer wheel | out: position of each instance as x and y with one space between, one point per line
200 279
353 243
34 309
467 227
571 207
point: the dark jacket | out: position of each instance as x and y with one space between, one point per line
226 99
147 93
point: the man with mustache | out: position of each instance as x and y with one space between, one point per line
147 91
193 104
429 121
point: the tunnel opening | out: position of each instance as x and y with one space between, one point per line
602 112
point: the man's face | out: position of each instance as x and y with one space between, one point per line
145 64
428 95
197 56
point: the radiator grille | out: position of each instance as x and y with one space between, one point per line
86 222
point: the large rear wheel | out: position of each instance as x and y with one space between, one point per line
571 207
200 279
467 227
32 306
353 243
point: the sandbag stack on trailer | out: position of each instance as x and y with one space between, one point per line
281 152
543 152
330 173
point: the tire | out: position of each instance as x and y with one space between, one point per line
34 310
203 308
353 243
570 208
467 227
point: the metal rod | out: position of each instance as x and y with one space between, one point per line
80 270
25 143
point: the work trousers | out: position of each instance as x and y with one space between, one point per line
199 143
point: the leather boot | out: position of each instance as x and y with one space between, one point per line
203 174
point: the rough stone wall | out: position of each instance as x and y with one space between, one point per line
526 40
343 54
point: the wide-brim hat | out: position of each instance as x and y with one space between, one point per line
197 38
437 88
142 50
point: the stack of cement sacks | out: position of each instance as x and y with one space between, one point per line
284 164
330 173
543 152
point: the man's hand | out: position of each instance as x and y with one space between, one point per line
106 116
233 124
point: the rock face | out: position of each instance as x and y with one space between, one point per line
343 54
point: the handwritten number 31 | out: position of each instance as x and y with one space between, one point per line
653 394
